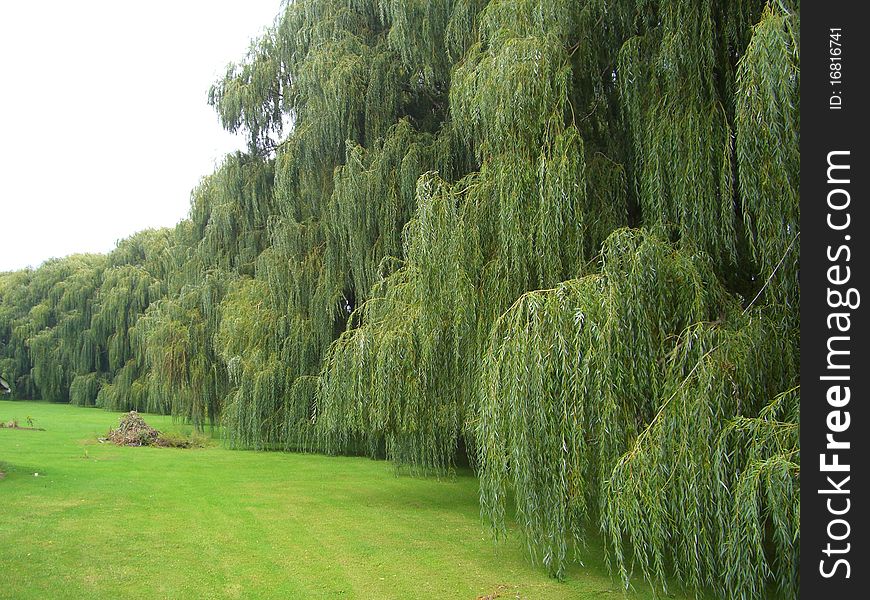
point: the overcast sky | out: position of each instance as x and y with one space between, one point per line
105 126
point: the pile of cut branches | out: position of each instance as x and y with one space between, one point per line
133 431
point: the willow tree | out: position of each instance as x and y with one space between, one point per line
764 453
667 503
767 150
134 279
534 213
345 180
571 374
15 302
47 339
424 248
124 296
394 382
74 338
172 342
654 483
550 125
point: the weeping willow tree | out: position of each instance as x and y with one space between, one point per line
764 453
123 298
54 352
532 215
394 383
559 237
53 333
221 242
133 280
182 375
76 343
406 374
671 498
66 324
15 302
345 180
767 118
570 376
724 376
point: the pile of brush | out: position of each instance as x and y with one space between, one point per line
133 431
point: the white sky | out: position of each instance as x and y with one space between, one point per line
104 124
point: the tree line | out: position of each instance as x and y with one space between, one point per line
556 238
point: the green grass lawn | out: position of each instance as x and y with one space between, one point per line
101 521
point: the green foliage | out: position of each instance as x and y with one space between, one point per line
251 94
667 480
761 457
177 439
570 375
174 338
373 197
230 210
83 389
254 415
768 159
424 251
679 125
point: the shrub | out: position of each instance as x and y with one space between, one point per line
175 439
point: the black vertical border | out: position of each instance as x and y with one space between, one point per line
822 131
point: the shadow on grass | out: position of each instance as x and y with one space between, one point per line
11 470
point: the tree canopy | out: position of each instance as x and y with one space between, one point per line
555 238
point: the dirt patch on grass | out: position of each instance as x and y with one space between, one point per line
501 591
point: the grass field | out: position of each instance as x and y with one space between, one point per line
102 521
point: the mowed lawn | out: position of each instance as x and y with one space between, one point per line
101 521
